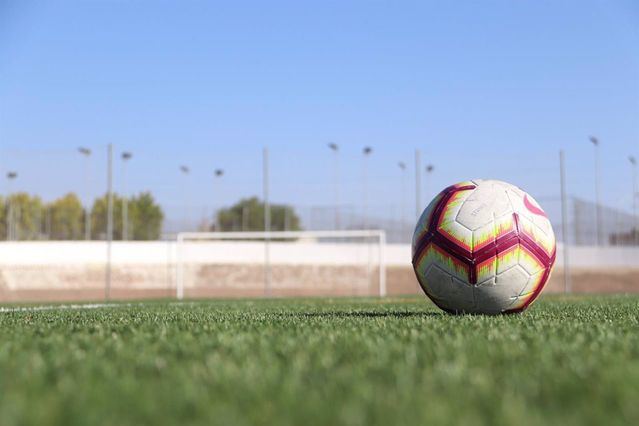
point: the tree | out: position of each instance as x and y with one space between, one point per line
248 215
99 218
145 217
66 218
25 215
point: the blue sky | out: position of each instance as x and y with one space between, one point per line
490 90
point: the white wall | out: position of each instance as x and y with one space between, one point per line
155 253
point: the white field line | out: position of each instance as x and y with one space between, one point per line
63 307
82 306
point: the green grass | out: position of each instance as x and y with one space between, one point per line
311 362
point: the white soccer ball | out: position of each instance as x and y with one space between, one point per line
483 247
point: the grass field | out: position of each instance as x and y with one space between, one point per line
399 361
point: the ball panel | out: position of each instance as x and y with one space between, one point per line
453 205
457 234
507 259
529 261
505 225
484 236
474 214
533 219
463 295
544 241
447 292
490 233
515 279
485 203
531 291
533 284
491 298
486 269
424 220
435 255
498 294
437 283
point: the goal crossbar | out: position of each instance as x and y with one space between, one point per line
267 237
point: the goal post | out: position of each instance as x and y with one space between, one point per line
272 262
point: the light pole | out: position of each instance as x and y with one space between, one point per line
367 151
635 231
598 218
11 176
335 148
109 227
126 156
402 167
429 171
267 222
418 184
564 222
218 175
86 153
186 171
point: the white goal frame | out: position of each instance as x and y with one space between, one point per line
267 237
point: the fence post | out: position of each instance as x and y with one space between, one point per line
382 264
107 285
267 226
418 184
179 266
564 224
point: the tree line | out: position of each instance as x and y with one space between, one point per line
28 217
248 215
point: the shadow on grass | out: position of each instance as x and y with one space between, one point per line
367 314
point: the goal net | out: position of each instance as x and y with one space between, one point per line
277 264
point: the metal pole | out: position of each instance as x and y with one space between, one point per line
365 193
367 152
287 219
598 216
382 264
429 174
635 230
418 184
87 214
107 290
600 236
245 218
402 167
11 219
86 153
179 267
8 223
48 224
564 222
126 156
338 215
17 212
125 206
267 225
185 173
218 174
634 202
336 179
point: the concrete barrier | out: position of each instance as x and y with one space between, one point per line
77 270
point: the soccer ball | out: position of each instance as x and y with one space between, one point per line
483 247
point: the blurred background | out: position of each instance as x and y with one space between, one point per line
348 115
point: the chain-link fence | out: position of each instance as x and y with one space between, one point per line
614 227
59 194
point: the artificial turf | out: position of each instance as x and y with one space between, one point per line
319 362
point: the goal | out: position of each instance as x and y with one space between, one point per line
278 264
